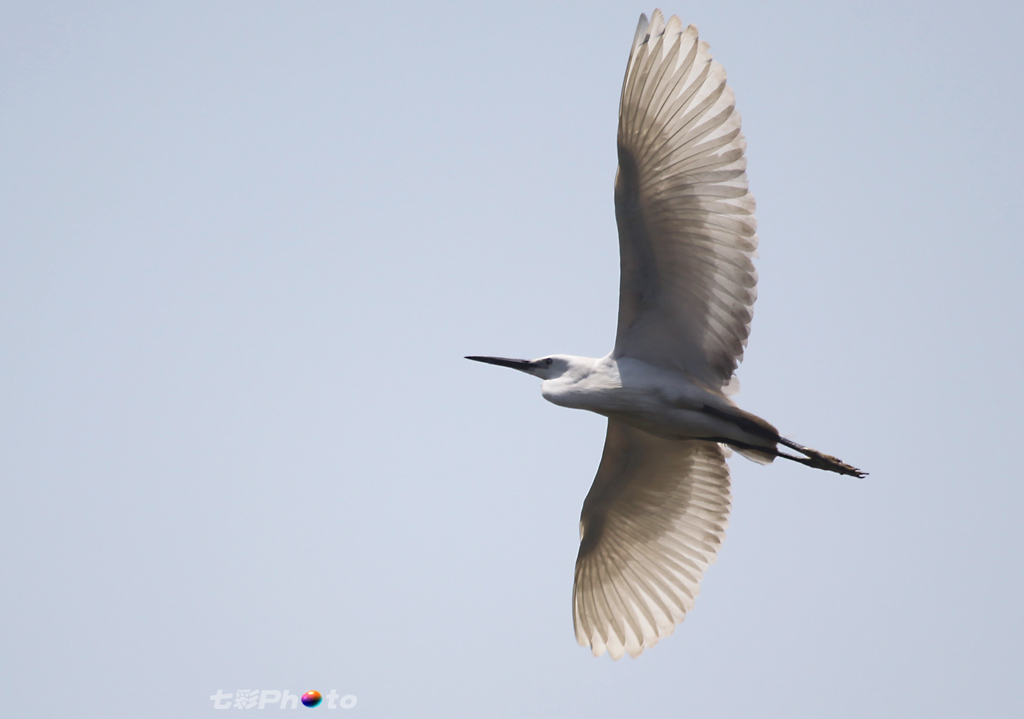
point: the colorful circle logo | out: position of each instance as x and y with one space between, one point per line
311 699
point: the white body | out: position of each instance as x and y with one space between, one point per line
662 402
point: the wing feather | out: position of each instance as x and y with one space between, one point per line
650 527
687 233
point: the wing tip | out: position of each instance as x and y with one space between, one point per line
641 31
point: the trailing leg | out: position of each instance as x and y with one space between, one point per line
819 460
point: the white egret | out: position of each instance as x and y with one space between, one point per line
658 508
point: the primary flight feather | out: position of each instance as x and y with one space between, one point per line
657 511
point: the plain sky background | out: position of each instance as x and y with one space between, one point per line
245 245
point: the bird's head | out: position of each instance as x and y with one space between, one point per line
550 367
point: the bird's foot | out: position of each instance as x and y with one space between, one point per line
820 460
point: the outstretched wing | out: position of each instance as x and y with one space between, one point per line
687 233
651 525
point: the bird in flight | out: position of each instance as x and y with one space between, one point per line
657 511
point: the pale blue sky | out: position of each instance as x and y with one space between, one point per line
244 247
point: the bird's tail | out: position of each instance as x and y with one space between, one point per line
757 454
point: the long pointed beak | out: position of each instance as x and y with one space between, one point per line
521 365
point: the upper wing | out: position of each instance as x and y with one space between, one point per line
651 525
687 232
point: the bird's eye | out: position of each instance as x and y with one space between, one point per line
549 361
